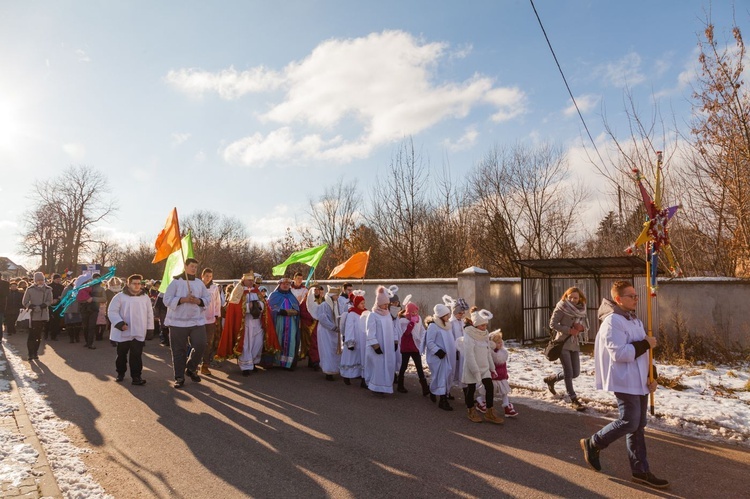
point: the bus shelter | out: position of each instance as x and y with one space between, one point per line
543 283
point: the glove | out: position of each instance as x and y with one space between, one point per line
378 351
282 312
350 348
440 354
395 347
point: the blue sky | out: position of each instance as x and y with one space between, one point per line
251 108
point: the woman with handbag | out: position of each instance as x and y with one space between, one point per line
568 321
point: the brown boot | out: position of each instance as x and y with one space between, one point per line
205 370
492 417
473 416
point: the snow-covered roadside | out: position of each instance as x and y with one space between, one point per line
708 403
16 457
70 472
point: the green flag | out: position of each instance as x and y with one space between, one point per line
309 256
175 265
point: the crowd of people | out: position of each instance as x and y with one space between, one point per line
340 334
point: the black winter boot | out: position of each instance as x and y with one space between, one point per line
443 404
400 387
425 387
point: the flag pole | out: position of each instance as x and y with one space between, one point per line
182 254
649 318
366 264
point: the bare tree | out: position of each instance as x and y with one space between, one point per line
525 206
76 201
399 211
719 167
334 215
41 237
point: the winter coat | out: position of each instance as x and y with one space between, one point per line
618 365
477 355
14 304
39 299
133 310
561 323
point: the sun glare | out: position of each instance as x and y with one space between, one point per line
8 125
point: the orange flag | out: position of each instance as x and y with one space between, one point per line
168 240
354 267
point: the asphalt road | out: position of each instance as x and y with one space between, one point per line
293 434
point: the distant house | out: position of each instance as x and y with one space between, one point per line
9 270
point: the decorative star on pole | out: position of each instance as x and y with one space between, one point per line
655 234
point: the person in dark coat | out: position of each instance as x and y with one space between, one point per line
13 306
4 291
55 321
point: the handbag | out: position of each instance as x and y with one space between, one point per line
24 315
554 348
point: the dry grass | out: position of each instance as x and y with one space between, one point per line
673 383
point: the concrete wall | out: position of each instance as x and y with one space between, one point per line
710 306
707 306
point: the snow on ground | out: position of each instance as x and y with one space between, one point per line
706 402
709 403
70 472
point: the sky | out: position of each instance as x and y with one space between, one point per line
250 109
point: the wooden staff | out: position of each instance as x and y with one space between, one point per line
649 319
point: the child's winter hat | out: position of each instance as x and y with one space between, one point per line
392 294
481 317
459 306
411 308
381 297
441 310
358 297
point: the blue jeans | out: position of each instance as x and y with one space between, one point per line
631 424
571 364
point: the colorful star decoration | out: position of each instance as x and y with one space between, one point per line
655 234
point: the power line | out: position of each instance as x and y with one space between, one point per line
566 82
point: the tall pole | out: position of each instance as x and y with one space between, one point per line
649 320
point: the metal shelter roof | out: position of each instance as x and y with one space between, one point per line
596 266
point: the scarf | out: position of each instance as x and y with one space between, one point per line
356 310
441 324
477 334
578 314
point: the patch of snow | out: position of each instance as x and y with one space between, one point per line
70 472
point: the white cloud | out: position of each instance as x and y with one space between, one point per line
266 229
585 102
178 138
75 151
383 83
8 224
82 56
200 156
623 72
228 83
466 141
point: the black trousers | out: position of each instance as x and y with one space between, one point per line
130 351
88 318
489 388
35 337
54 325
405 363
